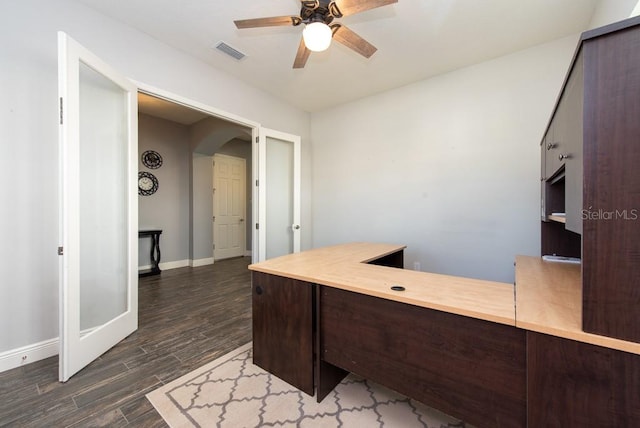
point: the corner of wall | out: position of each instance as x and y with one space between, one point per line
608 12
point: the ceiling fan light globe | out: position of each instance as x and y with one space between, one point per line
317 36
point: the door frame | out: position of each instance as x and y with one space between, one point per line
294 140
229 117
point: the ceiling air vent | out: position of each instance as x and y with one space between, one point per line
232 52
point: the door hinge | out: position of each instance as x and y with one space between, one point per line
257 226
61 251
214 246
257 183
214 218
61 111
257 139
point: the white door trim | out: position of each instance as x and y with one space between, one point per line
262 190
221 114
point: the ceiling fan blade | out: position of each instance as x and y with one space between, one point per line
350 7
351 40
302 56
274 21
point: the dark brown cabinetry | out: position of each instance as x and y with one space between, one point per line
466 367
611 238
562 156
590 158
283 321
574 384
284 329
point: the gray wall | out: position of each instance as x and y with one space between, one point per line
202 207
168 208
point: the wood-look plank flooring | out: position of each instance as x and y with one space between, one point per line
187 317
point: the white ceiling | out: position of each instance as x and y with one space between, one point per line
416 39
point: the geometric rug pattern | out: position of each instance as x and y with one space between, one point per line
232 392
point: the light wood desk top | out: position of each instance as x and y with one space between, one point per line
549 300
344 266
548 297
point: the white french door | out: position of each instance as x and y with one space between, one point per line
98 207
279 194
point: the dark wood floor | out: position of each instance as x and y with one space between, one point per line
187 317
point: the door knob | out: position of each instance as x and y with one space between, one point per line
241 219
296 226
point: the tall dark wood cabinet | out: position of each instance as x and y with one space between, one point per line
591 177
611 239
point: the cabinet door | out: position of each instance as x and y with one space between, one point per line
574 384
283 328
543 179
572 147
553 141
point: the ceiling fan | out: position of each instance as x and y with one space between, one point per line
318 16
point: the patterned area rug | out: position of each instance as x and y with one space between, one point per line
232 392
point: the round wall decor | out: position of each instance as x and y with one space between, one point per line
152 159
147 183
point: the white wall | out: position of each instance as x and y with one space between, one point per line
29 133
609 11
449 166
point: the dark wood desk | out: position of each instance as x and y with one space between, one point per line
154 254
470 348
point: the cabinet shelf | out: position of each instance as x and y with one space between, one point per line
558 218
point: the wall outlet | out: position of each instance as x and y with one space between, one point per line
416 265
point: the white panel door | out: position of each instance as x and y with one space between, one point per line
279 194
229 189
98 207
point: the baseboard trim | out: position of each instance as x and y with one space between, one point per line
168 265
39 351
201 262
28 354
174 265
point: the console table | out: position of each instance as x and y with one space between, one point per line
154 254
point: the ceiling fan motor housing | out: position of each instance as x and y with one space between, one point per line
319 11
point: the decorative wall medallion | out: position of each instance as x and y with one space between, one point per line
152 159
147 183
